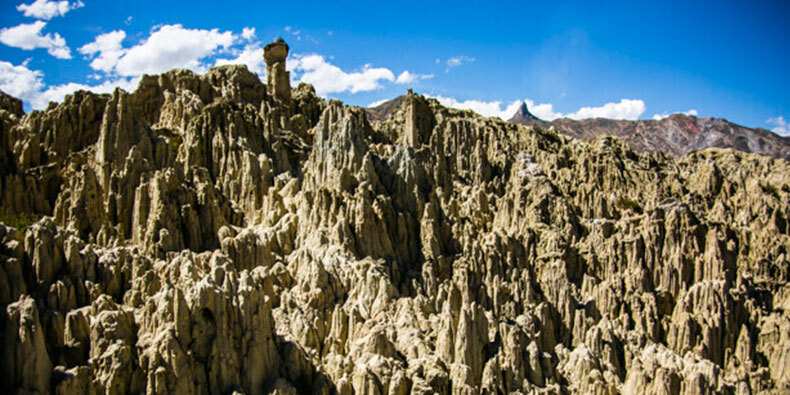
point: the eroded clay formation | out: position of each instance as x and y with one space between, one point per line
210 234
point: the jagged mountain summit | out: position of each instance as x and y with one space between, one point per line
215 234
677 134
524 117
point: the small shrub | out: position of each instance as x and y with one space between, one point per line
770 189
628 204
20 221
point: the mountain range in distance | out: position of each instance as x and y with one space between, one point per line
677 134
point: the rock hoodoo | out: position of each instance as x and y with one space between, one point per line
212 234
278 80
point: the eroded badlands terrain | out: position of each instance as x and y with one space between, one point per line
217 234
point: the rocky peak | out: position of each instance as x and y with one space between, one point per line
524 117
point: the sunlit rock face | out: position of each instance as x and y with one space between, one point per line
212 234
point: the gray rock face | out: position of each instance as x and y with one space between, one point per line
212 234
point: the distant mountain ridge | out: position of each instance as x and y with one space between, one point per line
677 134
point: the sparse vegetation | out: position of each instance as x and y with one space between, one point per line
20 221
628 204
770 189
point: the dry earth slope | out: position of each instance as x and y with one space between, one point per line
214 234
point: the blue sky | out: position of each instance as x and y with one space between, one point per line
624 60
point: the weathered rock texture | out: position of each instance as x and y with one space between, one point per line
205 234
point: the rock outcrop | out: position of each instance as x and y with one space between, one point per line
214 234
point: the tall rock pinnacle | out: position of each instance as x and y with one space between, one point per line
277 78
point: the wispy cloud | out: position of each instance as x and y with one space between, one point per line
294 32
459 60
456 61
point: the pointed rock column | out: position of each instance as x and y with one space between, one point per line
278 82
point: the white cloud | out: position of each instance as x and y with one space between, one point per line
248 33
292 30
109 48
407 78
251 56
45 9
328 78
19 81
658 117
625 109
168 47
378 103
782 126
28 36
28 85
56 93
459 60
487 109
544 111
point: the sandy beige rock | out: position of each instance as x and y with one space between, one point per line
215 234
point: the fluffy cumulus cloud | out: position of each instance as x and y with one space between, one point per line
248 33
57 93
45 9
251 56
28 85
544 111
328 78
109 48
173 46
407 78
658 117
168 47
625 109
28 36
19 81
484 108
782 127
